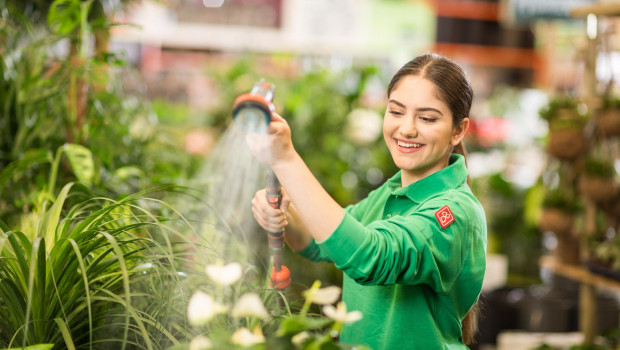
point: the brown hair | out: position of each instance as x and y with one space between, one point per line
453 88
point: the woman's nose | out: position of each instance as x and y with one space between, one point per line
408 128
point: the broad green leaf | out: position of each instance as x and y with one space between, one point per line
64 16
81 159
124 173
295 324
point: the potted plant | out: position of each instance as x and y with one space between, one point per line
566 123
604 256
608 118
597 181
558 216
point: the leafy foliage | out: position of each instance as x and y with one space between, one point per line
88 273
599 168
560 200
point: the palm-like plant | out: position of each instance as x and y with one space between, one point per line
97 275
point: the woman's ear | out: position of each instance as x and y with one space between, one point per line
459 132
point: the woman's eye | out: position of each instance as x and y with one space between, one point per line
428 119
395 112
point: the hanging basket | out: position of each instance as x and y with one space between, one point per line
608 123
600 190
557 221
566 143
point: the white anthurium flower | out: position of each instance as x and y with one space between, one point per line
202 308
250 304
224 275
200 343
340 314
244 337
299 338
323 296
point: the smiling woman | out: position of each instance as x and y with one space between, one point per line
419 131
413 251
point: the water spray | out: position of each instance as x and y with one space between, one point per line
252 112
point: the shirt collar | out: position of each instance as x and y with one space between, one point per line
450 177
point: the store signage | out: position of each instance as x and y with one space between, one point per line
528 10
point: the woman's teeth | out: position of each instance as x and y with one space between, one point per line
408 145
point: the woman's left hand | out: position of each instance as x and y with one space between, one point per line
275 145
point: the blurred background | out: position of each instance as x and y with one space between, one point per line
148 87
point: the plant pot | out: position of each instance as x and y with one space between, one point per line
608 123
598 189
567 251
566 143
556 220
603 269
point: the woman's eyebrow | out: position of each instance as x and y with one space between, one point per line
421 109
428 109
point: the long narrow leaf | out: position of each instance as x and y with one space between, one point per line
66 334
129 308
50 222
83 272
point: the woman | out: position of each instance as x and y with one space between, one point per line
413 251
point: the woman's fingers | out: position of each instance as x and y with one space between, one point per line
269 224
270 219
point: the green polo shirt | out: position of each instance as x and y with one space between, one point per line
411 266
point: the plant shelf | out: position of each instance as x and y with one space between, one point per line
580 274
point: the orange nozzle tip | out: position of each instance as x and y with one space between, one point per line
280 279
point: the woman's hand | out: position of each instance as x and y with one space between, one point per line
270 219
275 145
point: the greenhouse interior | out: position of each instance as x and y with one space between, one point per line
133 172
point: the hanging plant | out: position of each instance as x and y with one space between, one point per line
558 213
608 118
597 181
566 123
558 216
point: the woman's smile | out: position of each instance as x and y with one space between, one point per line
408 146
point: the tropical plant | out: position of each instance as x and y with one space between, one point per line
102 273
48 99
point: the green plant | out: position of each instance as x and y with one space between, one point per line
559 199
93 274
550 111
231 317
40 92
599 168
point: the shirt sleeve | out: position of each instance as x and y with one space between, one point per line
412 249
313 252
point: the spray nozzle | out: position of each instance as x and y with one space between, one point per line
252 111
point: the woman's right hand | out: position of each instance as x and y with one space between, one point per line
270 219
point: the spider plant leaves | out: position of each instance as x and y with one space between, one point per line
50 221
80 281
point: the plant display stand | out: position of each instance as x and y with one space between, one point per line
591 182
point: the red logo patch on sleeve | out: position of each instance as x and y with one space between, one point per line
444 216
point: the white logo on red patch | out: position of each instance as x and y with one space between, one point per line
444 216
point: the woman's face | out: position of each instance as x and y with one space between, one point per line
418 129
